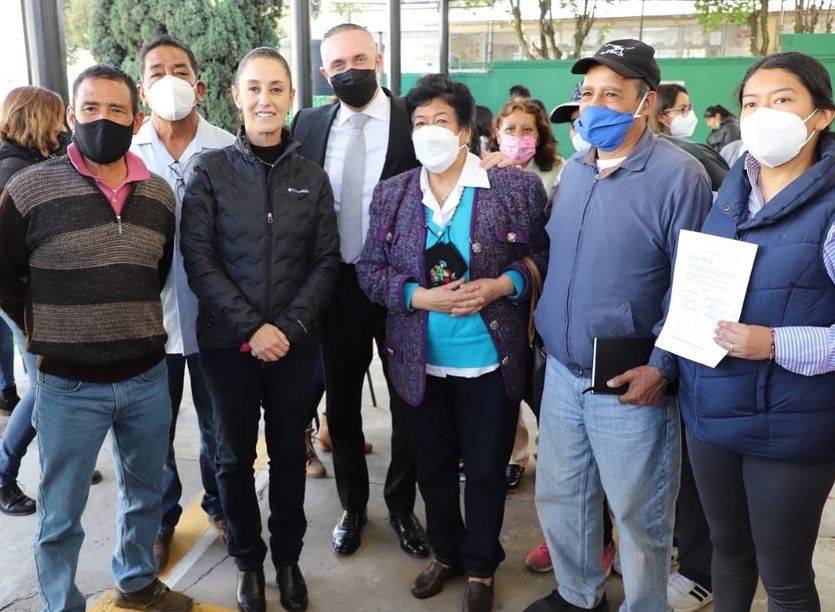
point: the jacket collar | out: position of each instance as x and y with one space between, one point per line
9 148
805 189
634 162
242 145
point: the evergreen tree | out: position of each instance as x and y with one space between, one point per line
219 33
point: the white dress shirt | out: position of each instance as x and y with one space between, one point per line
179 304
376 133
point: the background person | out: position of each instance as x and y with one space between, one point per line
724 127
460 395
31 124
673 118
170 142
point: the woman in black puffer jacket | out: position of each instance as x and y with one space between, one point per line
261 250
31 130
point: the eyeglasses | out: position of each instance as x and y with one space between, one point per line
681 111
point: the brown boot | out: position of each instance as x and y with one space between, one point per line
155 597
323 435
162 549
314 468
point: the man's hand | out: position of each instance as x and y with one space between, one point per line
496 159
646 386
437 299
477 294
269 343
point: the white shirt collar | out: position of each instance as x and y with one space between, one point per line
206 137
379 108
472 175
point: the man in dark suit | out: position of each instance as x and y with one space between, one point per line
362 138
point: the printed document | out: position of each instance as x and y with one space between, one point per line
709 284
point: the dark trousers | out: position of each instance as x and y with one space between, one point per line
764 517
471 418
352 322
317 389
172 487
240 386
692 531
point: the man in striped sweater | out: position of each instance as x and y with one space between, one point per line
85 246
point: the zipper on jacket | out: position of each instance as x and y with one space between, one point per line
574 271
268 258
119 223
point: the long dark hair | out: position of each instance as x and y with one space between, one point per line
807 69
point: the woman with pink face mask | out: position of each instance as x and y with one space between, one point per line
521 131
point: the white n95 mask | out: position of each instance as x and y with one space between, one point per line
436 147
171 98
774 136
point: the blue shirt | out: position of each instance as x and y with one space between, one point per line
179 304
459 343
613 238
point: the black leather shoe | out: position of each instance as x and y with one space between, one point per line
292 587
431 580
513 474
478 597
411 534
15 502
347 535
251 596
555 603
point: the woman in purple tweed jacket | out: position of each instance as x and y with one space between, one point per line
444 254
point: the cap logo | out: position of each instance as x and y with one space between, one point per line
611 49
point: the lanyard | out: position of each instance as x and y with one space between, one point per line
443 235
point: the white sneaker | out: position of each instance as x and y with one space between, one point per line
684 595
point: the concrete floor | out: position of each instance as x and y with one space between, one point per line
376 578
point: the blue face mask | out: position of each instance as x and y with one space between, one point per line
603 127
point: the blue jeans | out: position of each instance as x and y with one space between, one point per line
6 354
171 485
19 431
591 444
72 419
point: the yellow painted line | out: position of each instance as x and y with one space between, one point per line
193 524
105 604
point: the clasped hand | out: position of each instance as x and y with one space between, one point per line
269 343
460 298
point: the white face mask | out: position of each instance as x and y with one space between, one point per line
436 148
171 98
773 136
683 127
578 143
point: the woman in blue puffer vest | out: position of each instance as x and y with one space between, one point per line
761 425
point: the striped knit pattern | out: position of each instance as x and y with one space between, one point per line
94 284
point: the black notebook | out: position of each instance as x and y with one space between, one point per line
614 356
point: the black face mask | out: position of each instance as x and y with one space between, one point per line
103 141
355 87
